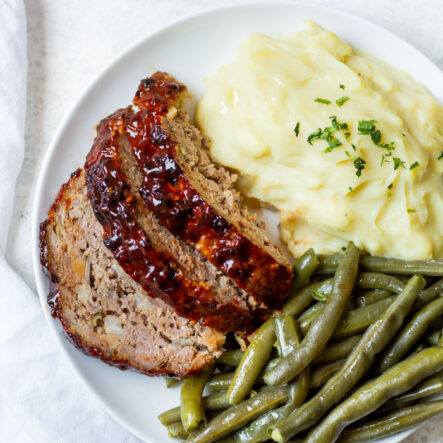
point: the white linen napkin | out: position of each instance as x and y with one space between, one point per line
41 398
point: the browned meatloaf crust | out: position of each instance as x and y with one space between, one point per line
102 309
192 198
150 255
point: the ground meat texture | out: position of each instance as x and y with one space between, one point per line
194 198
102 309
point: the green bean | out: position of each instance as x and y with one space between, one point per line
375 280
396 380
259 349
213 402
410 334
433 336
231 358
428 387
391 424
298 302
365 280
221 382
359 319
430 293
352 322
287 335
323 326
176 430
252 362
238 415
191 403
321 374
304 267
307 317
288 338
170 382
322 289
374 340
337 350
329 263
372 296
257 431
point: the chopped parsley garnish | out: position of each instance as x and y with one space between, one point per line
411 211
398 163
359 165
347 153
366 126
350 189
390 186
297 129
327 134
323 100
342 86
353 147
440 156
413 166
314 136
342 100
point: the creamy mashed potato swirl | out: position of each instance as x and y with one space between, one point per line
251 107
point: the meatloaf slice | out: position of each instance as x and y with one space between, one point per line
102 309
194 198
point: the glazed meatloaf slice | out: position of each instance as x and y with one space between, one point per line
193 198
102 309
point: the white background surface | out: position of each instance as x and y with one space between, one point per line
70 42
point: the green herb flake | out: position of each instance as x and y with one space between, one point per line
341 101
411 211
375 136
390 186
413 166
366 126
347 153
314 136
359 165
342 86
350 189
389 194
398 163
440 156
297 129
323 100
353 147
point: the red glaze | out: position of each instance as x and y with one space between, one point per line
178 206
157 272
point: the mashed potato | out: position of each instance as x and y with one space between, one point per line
381 189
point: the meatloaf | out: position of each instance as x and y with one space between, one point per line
151 257
102 309
191 197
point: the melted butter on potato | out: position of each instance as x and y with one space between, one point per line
250 109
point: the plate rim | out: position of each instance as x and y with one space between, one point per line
52 148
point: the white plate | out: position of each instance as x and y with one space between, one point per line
189 49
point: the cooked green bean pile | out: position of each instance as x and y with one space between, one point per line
354 355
